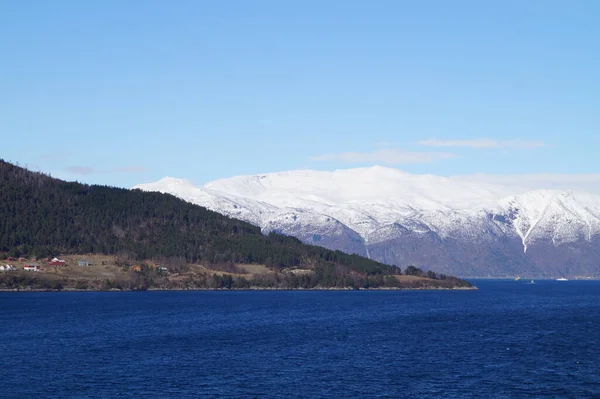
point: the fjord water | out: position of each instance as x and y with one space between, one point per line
508 339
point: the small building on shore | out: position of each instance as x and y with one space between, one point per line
84 263
7 268
32 267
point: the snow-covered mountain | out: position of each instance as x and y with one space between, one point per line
452 225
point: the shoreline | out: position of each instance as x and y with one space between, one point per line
473 288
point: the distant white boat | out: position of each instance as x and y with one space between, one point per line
532 282
562 279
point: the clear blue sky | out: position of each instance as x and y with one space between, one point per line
125 92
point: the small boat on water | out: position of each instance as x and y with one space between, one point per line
562 279
517 278
532 282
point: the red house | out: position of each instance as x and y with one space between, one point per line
56 262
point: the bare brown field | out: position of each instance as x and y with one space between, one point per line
112 272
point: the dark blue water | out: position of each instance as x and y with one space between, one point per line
507 340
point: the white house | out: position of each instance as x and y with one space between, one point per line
7 268
32 267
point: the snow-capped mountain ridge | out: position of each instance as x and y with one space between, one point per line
374 185
379 210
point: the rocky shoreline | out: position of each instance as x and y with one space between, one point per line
472 288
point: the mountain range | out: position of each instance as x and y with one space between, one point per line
453 225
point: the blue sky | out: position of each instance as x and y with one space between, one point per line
121 93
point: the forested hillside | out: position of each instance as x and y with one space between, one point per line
42 216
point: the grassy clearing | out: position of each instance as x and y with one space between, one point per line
255 269
411 278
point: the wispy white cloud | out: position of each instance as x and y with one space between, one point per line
483 143
86 170
385 156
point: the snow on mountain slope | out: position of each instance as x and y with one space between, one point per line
561 216
374 185
357 208
316 229
363 199
237 207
